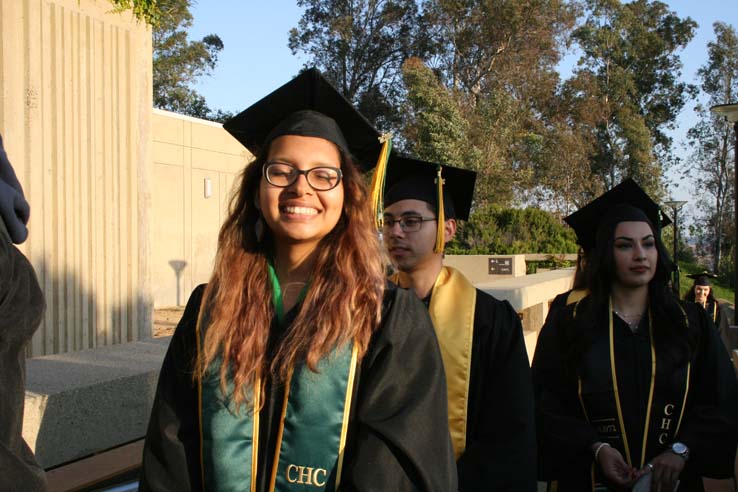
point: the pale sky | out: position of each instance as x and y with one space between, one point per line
256 59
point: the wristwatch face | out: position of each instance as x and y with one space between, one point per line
679 448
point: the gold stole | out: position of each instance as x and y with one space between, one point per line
576 296
451 308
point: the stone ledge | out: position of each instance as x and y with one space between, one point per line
530 290
84 402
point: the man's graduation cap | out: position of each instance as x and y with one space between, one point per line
702 278
413 179
618 203
310 106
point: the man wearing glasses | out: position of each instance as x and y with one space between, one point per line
489 387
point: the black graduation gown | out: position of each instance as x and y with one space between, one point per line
717 314
558 303
21 311
709 427
500 452
398 438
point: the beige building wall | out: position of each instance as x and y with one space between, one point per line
187 212
75 112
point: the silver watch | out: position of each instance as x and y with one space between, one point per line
680 449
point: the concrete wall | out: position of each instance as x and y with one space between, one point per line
477 267
75 113
531 297
187 152
84 402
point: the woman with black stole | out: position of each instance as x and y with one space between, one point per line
297 367
634 383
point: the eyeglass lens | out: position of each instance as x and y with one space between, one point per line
319 178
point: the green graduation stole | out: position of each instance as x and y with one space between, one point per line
600 400
312 429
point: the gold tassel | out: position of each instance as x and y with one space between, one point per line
440 243
380 172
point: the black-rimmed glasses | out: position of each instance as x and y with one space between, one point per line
321 178
409 223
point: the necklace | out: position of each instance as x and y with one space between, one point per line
632 320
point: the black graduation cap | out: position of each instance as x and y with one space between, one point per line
621 199
414 179
308 105
702 278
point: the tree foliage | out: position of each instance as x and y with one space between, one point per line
145 10
496 61
360 46
475 84
179 62
627 86
713 145
497 230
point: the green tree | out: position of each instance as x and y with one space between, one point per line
179 62
360 46
495 62
711 139
497 230
145 10
628 86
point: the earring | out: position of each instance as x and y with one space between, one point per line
259 229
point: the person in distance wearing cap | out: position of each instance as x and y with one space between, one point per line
297 367
701 293
490 396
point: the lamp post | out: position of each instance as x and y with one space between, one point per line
676 205
730 111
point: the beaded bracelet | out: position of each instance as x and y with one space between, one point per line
599 448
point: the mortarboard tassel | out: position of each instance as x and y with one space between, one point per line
441 214
380 172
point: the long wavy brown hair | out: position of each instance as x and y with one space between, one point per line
343 302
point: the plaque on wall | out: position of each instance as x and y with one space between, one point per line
500 266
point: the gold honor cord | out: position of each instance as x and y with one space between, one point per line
255 432
380 172
346 412
689 375
280 432
714 312
199 391
650 390
684 401
615 389
441 219
581 400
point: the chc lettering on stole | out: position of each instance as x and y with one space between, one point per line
305 475
666 421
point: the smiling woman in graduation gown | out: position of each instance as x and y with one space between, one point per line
394 441
297 368
707 301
